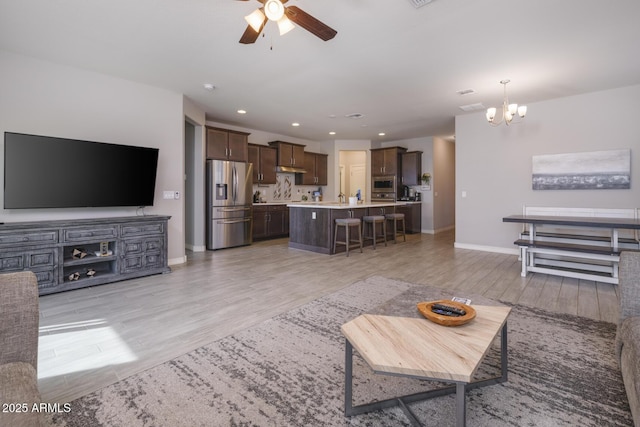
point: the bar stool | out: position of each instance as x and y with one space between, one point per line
397 217
347 223
374 220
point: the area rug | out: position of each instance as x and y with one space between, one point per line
289 371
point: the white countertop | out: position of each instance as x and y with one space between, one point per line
270 203
338 205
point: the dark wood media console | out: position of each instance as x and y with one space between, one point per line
65 254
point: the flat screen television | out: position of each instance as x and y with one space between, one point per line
49 172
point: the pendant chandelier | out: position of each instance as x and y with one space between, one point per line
509 111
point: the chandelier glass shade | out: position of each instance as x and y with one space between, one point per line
509 111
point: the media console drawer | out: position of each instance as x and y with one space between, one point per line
139 229
38 237
93 233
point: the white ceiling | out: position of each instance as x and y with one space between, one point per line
397 65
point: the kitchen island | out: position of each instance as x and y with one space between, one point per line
311 224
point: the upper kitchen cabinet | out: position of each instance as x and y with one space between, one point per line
411 168
223 144
289 155
264 163
316 165
386 161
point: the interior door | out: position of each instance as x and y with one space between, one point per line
357 179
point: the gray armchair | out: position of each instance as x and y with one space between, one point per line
19 322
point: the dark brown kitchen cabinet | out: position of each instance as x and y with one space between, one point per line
411 168
223 144
264 163
316 165
291 155
412 217
270 221
386 161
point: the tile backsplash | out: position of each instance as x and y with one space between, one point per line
284 190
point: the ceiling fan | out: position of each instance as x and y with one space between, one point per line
285 16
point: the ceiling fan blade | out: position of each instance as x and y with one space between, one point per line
310 23
250 35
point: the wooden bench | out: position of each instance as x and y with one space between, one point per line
588 246
568 259
594 240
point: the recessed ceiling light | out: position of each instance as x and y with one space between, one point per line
332 133
209 86
242 111
381 134
295 124
355 116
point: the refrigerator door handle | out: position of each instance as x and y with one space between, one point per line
234 184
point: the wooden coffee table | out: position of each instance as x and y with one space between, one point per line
419 348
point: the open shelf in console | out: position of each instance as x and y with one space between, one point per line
87 253
83 262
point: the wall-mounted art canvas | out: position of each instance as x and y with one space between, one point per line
583 171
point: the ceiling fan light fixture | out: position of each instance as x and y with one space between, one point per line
255 20
274 9
285 25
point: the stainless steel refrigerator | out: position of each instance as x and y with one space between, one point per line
229 204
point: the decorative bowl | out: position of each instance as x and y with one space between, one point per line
425 309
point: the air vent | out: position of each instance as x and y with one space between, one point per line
466 92
419 3
355 116
472 107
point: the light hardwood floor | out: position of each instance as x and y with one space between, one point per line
93 337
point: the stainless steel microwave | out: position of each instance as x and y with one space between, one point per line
383 184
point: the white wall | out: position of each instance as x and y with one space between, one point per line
493 165
443 185
194 191
44 98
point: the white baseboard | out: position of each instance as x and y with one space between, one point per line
508 251
195 248
439 230
177 261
